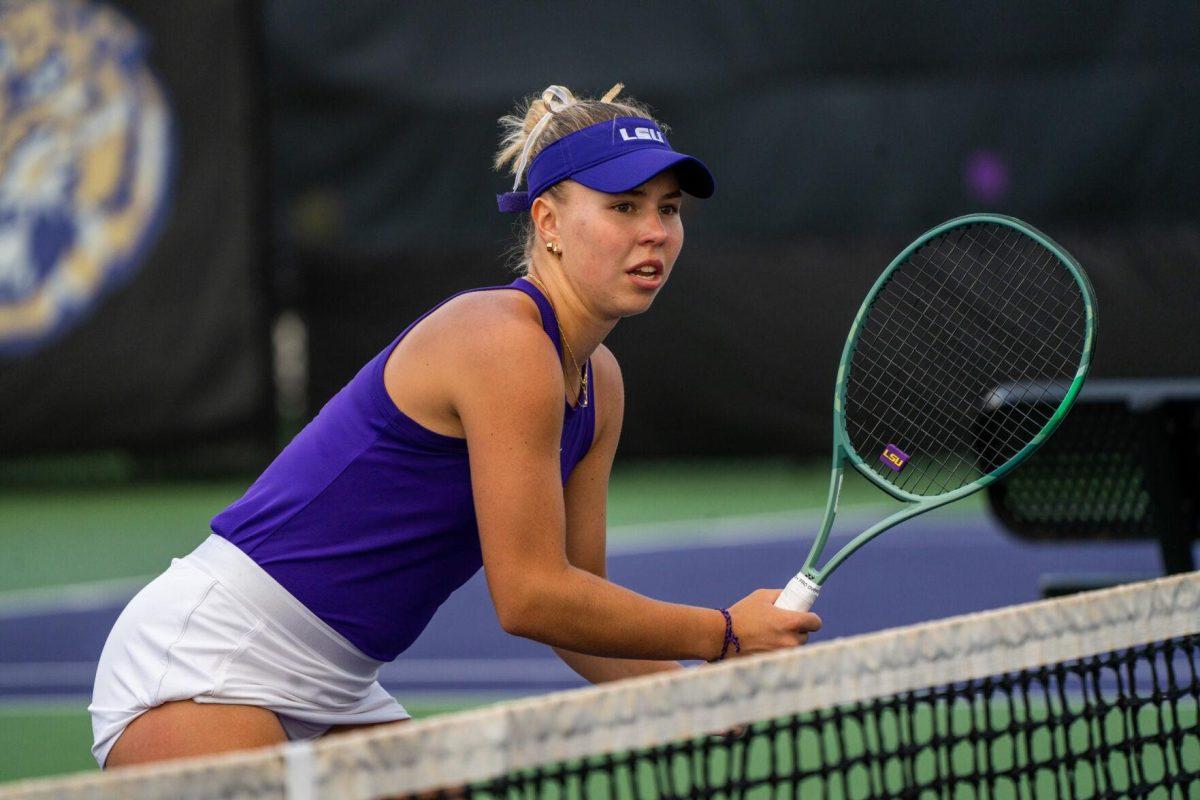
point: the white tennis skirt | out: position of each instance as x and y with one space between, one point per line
216 628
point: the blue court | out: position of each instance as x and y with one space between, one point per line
944 564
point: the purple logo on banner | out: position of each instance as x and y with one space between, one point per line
894 458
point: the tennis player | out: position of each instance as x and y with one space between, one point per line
450 450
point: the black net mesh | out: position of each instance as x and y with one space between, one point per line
1118 725
975 316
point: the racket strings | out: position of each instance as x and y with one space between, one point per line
964 356
961 470
915 421
906 408
1045 332
1067 316
1008 350
1045 363
907 411
943 467
1062 280
958 384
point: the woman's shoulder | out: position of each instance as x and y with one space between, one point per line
483 319
484 336
467 353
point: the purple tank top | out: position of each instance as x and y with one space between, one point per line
367 517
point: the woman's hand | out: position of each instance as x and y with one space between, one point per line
761 627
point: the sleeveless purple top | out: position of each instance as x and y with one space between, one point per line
367 517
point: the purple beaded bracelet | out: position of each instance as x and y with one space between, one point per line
730 638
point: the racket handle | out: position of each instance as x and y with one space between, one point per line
799 594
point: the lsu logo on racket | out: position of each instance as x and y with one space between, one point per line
893 458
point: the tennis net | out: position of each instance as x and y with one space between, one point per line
1092 695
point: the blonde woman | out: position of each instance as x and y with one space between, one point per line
482 436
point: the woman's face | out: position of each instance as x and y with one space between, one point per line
618 249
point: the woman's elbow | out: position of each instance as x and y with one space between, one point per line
517 610
527 596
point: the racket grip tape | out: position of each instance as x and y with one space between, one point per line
799 595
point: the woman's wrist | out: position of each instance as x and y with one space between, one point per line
713 634
730 643
709 635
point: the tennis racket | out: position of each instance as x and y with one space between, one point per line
966 354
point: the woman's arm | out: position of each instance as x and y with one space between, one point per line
507 389
510 399
586 508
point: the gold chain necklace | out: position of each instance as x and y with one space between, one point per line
582 399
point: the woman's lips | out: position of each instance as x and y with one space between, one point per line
646 282
646 275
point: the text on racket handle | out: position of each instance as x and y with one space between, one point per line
799 595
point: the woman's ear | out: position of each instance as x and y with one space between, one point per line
545 218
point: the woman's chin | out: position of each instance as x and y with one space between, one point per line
636 304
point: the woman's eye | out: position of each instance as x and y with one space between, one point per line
623 207
669 210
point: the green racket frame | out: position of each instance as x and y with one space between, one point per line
843 451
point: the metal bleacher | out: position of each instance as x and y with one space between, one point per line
1124 464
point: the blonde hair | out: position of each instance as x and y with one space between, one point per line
541 120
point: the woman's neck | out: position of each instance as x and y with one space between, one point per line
581 327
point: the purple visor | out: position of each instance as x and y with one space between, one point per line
613 157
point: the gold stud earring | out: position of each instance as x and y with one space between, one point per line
552 247
549 247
